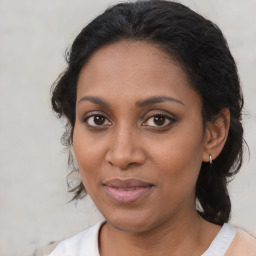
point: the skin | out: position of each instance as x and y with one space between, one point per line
129 141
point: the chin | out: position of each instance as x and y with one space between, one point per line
132 222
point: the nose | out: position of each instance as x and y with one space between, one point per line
125 149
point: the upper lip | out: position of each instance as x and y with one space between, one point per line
126 183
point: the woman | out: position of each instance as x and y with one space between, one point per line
153 106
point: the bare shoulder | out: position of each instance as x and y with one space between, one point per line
243 244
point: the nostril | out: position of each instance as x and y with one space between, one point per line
124 161
124 152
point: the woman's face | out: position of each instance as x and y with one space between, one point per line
138 136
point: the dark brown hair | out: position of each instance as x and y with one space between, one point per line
200 48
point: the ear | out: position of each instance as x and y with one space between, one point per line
216 135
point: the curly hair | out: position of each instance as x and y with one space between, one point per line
200 48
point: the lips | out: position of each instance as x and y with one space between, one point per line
126 191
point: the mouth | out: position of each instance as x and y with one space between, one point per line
127 191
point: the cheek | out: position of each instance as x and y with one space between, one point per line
179 159
179 149
178 168
89 155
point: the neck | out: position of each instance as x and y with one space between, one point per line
186 235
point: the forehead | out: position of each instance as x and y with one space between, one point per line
128 58
129 49
133 69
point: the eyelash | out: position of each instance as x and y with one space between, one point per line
93 115
166 117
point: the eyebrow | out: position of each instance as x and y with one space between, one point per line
157 99
95 100
142 103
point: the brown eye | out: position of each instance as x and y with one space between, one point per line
158 121
97 120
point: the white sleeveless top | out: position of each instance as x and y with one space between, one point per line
86 243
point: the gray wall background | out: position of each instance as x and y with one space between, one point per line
33 194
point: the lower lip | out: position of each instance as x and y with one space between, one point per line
124 196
